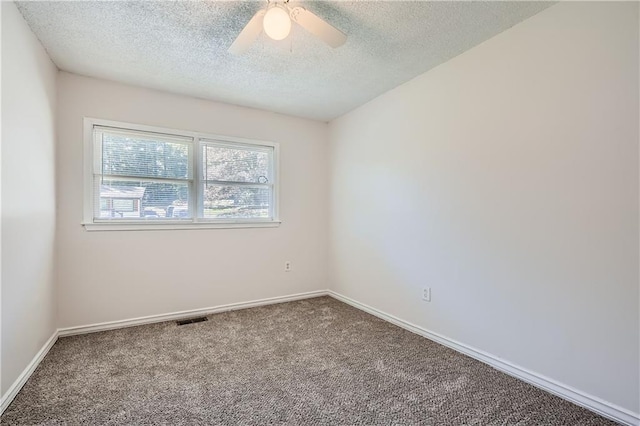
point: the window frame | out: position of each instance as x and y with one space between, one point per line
196 200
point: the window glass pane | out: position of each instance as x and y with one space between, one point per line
235 164
138 155
236 202
144 175
142 200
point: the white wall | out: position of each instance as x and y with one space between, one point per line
506 180
114 275
28 195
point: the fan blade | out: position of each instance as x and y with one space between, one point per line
318 27
248 34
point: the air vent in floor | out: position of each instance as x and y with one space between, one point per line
191 320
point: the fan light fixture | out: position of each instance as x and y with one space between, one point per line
276 20
276 23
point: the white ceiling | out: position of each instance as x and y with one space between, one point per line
181 47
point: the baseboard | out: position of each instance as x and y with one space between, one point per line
595 404
573 395
13 390
111 325
69 331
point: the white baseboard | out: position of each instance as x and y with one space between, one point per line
573 395
111 325
13 390
70 331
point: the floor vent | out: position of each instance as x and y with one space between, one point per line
191 320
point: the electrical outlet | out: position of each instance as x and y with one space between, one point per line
426 294
287 266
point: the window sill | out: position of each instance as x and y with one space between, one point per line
173 226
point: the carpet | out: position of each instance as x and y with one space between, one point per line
310 362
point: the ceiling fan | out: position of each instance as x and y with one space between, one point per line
276 20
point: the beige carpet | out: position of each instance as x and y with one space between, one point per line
310 362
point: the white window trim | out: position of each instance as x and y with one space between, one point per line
90 224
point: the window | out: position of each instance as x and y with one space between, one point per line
139 177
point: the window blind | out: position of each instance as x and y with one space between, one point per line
144 176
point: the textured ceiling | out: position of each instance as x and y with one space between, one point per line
181 47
